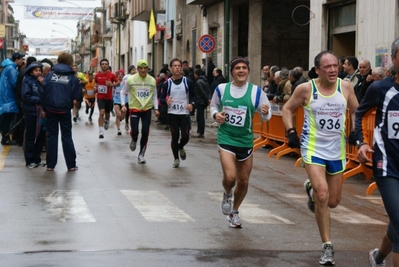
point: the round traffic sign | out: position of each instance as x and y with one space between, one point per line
206 43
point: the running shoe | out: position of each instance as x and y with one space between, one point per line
75 119
327 255
132 145
126 127
113 113
90 119
307 185
176 163
182 153
87 111
106 124
372 255
119 132
226 204
32 165
234 220
141 159
73 169
101 136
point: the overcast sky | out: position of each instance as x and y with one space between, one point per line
43 28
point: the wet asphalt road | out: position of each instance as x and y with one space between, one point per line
116 212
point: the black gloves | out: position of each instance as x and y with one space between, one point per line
352 138
293 139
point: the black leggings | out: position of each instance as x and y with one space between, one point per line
179 124
145 117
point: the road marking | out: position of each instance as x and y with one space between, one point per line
340 213
68 205
3 156
252 213
155 207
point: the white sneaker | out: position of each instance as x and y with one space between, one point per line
141 159
101 136
226 204
372 255
106 124
176 163
234 220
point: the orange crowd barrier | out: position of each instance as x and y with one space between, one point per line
273 132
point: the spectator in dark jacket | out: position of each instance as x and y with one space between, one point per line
217 79
18 133
30 97
60 90
296 78
202 101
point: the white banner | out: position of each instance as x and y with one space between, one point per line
45 46
54 12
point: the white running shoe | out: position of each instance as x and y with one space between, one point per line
327 255
176 163
372 255
226 204
141 159
101 136
234 220
106 124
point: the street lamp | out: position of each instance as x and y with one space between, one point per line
62 33
55 23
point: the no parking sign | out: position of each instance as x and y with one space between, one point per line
206 43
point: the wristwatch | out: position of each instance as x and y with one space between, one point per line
359 144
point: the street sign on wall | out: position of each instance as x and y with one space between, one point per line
206 43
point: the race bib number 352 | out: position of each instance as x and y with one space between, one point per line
235 116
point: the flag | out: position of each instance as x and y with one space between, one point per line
152 29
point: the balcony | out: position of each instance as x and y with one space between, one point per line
141 9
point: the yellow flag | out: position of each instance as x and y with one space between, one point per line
152 29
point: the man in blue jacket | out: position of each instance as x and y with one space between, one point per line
8 105
61 89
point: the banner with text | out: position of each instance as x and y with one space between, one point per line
54 12
49 46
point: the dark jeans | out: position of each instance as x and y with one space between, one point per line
33 145
201 119
8 118
65 124
179 124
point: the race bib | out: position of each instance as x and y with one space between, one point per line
90 92
393 124
102 89
178 105
235 116
330 121
143 92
